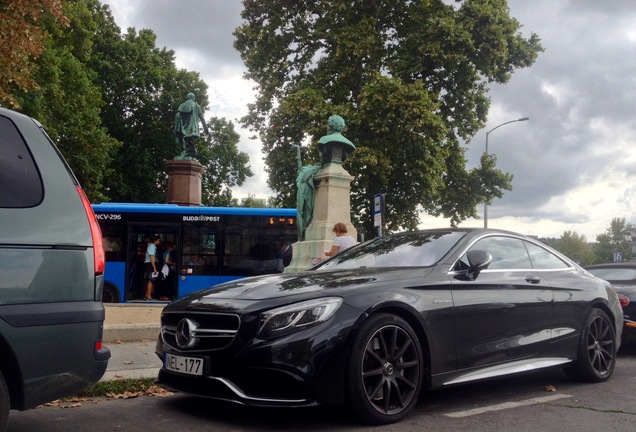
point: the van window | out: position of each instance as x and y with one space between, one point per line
20 183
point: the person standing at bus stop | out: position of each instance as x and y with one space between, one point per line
168 272
150 266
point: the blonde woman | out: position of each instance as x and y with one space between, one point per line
342 240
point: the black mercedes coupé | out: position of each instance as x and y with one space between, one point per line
377 324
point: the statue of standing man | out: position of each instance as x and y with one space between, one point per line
186 126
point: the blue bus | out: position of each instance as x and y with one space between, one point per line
212 245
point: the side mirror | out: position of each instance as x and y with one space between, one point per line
478 260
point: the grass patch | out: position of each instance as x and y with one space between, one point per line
118 386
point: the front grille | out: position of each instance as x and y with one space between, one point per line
205 331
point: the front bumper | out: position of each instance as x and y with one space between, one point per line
305 368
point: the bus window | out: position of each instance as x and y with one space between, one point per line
254 246
199 251
113 239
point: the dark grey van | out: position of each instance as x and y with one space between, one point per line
51 273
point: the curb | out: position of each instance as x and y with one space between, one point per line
131 332
132 374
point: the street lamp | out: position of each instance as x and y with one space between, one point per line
486 152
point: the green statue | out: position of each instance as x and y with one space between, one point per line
334 147
306 194
186 126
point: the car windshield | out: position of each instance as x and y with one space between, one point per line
419 249
614 274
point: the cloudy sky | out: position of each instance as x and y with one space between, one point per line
573 162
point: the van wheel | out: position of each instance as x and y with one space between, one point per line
385 371
5 404
110 294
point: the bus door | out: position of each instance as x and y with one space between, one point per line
199 256
139 235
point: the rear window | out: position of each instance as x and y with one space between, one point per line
20 183
614 274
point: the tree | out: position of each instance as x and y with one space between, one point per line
225 166
108 101
576 247
617 238
67 102
252 202
409 78
143 88
22 40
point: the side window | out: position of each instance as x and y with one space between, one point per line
199 250
20 183
543 259
114 239
507 253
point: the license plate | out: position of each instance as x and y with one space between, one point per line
185 365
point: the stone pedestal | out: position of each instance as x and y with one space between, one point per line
332 205
184 182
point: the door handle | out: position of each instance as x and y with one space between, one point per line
533 279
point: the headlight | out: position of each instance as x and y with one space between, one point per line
299 316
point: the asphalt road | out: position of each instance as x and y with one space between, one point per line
520 404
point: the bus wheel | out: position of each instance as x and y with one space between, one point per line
110 294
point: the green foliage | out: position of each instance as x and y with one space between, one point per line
22 40
108 101
68 103
252 202
143 88
409 78
225 166
616 238
576 247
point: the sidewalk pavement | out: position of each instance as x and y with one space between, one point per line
130 332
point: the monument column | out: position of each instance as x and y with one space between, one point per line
332 201
184 182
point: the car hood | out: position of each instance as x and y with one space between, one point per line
287 284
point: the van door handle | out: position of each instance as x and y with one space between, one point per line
533 279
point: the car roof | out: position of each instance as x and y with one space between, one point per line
628 264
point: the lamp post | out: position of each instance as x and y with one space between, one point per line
486 152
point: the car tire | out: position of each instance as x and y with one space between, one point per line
5 404
597 349
384 371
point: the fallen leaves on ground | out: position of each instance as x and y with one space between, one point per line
159 391
152 391
74 402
